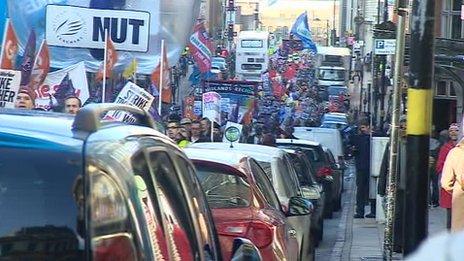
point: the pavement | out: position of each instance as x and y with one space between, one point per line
346 238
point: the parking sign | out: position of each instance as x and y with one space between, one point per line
385 46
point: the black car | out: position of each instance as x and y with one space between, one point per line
324 172
85 189
311 190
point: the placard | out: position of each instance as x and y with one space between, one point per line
9 87
133 95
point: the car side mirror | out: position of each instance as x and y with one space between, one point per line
243 249
299 206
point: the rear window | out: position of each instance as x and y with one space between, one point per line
223 189
41 205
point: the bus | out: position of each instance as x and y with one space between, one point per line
252 55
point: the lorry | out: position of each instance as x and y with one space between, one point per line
332 66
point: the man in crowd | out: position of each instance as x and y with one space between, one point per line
205 124
195 130
72 105
445 197
24 100
186 122
172 130
183 137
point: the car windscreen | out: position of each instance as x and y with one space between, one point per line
331 75
41 201
222 188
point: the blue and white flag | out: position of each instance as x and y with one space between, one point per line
301 30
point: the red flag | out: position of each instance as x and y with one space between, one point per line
10 47
111 59
166 92
41 66
200 47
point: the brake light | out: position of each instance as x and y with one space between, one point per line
260 234
324 172
117 247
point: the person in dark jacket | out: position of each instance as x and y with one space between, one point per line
361 144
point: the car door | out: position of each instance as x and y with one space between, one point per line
286 233
301 223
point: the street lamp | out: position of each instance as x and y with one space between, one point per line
327 28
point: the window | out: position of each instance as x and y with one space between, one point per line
202 211
252 43
223 188
452 25
42 204
178 224
452 91
441 88
264 185
149 202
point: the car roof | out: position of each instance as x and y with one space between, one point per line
319 129
297 141
58 127
331 67
31 121
219 156
253 150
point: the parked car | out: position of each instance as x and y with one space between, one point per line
324 172
244 203
83 189
337 172
279 169
311 190
331 138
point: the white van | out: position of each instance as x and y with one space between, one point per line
330 138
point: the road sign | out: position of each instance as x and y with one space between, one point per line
384 46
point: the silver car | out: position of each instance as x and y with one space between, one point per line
278 167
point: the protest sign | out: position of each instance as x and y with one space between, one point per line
77 75
241 95
212 106
197 105
236 125
133 95
78 27
9 87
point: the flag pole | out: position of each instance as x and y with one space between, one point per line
104 67
7 22
160 84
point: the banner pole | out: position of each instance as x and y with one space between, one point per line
104 67
212 129
7 22
160 85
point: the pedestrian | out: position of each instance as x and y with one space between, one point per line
72 105
183 137
187 123
433 155
205 124
451 167
173 130
195 131
25 99
361 148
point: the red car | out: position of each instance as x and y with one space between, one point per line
244 203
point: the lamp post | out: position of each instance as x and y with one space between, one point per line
326 29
